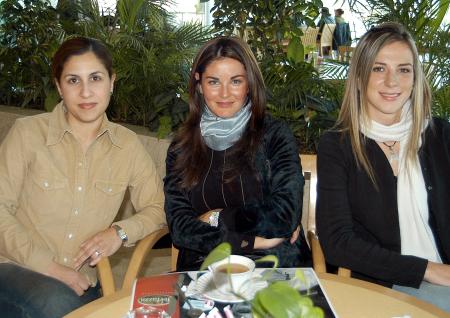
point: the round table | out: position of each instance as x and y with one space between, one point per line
351 298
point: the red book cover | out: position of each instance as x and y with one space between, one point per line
158 292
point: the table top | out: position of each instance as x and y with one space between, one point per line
349 297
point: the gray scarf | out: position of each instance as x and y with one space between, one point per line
222 133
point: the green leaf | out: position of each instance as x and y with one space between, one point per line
269 258
300 276
220 252
280 300
295 50
51 100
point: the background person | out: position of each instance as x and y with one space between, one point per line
325 18
232 158
338 16
384 173
63 176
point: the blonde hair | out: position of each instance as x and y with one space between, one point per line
354 105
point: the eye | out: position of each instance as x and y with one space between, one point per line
377 69
96 78
72 80
213 82
236 81
405 70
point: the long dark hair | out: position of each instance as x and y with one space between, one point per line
192 151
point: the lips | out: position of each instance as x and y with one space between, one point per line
390 96
224 104
87 105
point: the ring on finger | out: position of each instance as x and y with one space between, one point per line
97 253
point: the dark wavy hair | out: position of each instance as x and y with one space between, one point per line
189 144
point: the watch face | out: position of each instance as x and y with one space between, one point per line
121 233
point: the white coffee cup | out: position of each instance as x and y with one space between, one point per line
231 273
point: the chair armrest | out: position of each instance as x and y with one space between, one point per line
140 252
317 253
344 272
105 276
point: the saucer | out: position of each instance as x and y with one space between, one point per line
205 286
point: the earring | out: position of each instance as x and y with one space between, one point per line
111 92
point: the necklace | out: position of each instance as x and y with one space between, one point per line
393 155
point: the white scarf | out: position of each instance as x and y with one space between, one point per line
415 233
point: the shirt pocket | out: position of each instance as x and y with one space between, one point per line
109 196
49 195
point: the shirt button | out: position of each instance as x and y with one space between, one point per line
109 190
80 188
46 184
76 212
65 259
430 188
70 235
80 164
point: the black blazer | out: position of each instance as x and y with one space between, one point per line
358 225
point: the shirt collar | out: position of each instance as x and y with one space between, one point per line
58 126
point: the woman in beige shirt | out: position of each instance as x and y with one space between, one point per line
63 176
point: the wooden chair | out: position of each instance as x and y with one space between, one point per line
309 167
309 38
137 259
326 38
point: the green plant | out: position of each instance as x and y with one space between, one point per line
151 58
424 19
29 35
277 300
266 24
295 91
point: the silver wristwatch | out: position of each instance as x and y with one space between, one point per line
120 232
214 218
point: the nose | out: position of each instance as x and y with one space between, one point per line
224 90
85 90
391 79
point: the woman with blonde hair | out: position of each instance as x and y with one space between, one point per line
384 173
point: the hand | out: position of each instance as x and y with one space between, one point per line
295 235
78 282
262 243
104 243
438 274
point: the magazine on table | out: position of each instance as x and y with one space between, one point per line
166 294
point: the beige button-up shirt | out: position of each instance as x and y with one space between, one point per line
53 196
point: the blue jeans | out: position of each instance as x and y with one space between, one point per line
434 294
28 294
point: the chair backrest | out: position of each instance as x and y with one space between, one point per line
309 37
309 169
